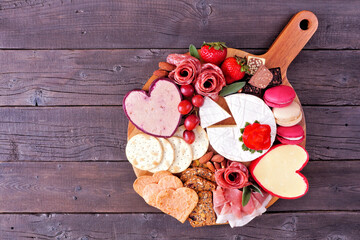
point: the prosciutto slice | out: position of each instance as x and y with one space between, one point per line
210 81
187 68
233 176
228 208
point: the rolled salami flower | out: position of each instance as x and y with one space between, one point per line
210 81
235 176
187 68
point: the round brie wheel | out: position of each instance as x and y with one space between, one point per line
244 108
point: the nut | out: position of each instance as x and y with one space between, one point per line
207 156
217 165
166 66
223 164
217 158
210 166
161 73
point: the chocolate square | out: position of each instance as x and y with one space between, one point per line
261 78
252 90
277 79
254 63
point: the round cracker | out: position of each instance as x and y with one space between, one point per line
183 155
144 151
141 182
170 182
168 156
201 143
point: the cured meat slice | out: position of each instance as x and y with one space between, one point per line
178 203
235 176
141 182
228 208
150 192
161 174
187 68
170 182
210 81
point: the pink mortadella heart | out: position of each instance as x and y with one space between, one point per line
156 112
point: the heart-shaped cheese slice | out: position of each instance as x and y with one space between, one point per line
278 171
155 113
177 203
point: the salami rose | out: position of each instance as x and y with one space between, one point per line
235 176
210 81
187 68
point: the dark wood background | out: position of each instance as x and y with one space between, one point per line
65 66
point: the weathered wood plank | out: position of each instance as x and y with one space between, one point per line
102 77
328 225
99 133
169 24
62 134
333 132
107 187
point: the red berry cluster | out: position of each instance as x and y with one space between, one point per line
185 107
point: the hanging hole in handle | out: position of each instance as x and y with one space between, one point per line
304 24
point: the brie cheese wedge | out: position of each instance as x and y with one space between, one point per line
244 108
211 113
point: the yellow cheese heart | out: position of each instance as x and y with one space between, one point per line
278 172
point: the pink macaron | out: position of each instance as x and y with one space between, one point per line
290 135
279 96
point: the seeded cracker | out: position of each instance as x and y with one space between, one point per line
197 171
200 184
203 214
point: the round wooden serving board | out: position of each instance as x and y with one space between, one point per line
282 52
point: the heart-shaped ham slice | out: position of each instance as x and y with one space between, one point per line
278 171
177 203
155 113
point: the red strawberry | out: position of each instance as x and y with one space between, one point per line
213 52
234 69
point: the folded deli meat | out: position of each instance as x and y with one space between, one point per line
228 208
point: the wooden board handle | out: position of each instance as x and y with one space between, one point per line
291 40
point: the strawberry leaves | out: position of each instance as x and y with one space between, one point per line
193 51
215 45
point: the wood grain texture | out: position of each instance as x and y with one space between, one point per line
103 77
81 187
333 132
99 133
155 226
175 24
62 134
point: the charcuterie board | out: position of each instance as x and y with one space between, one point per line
282 52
